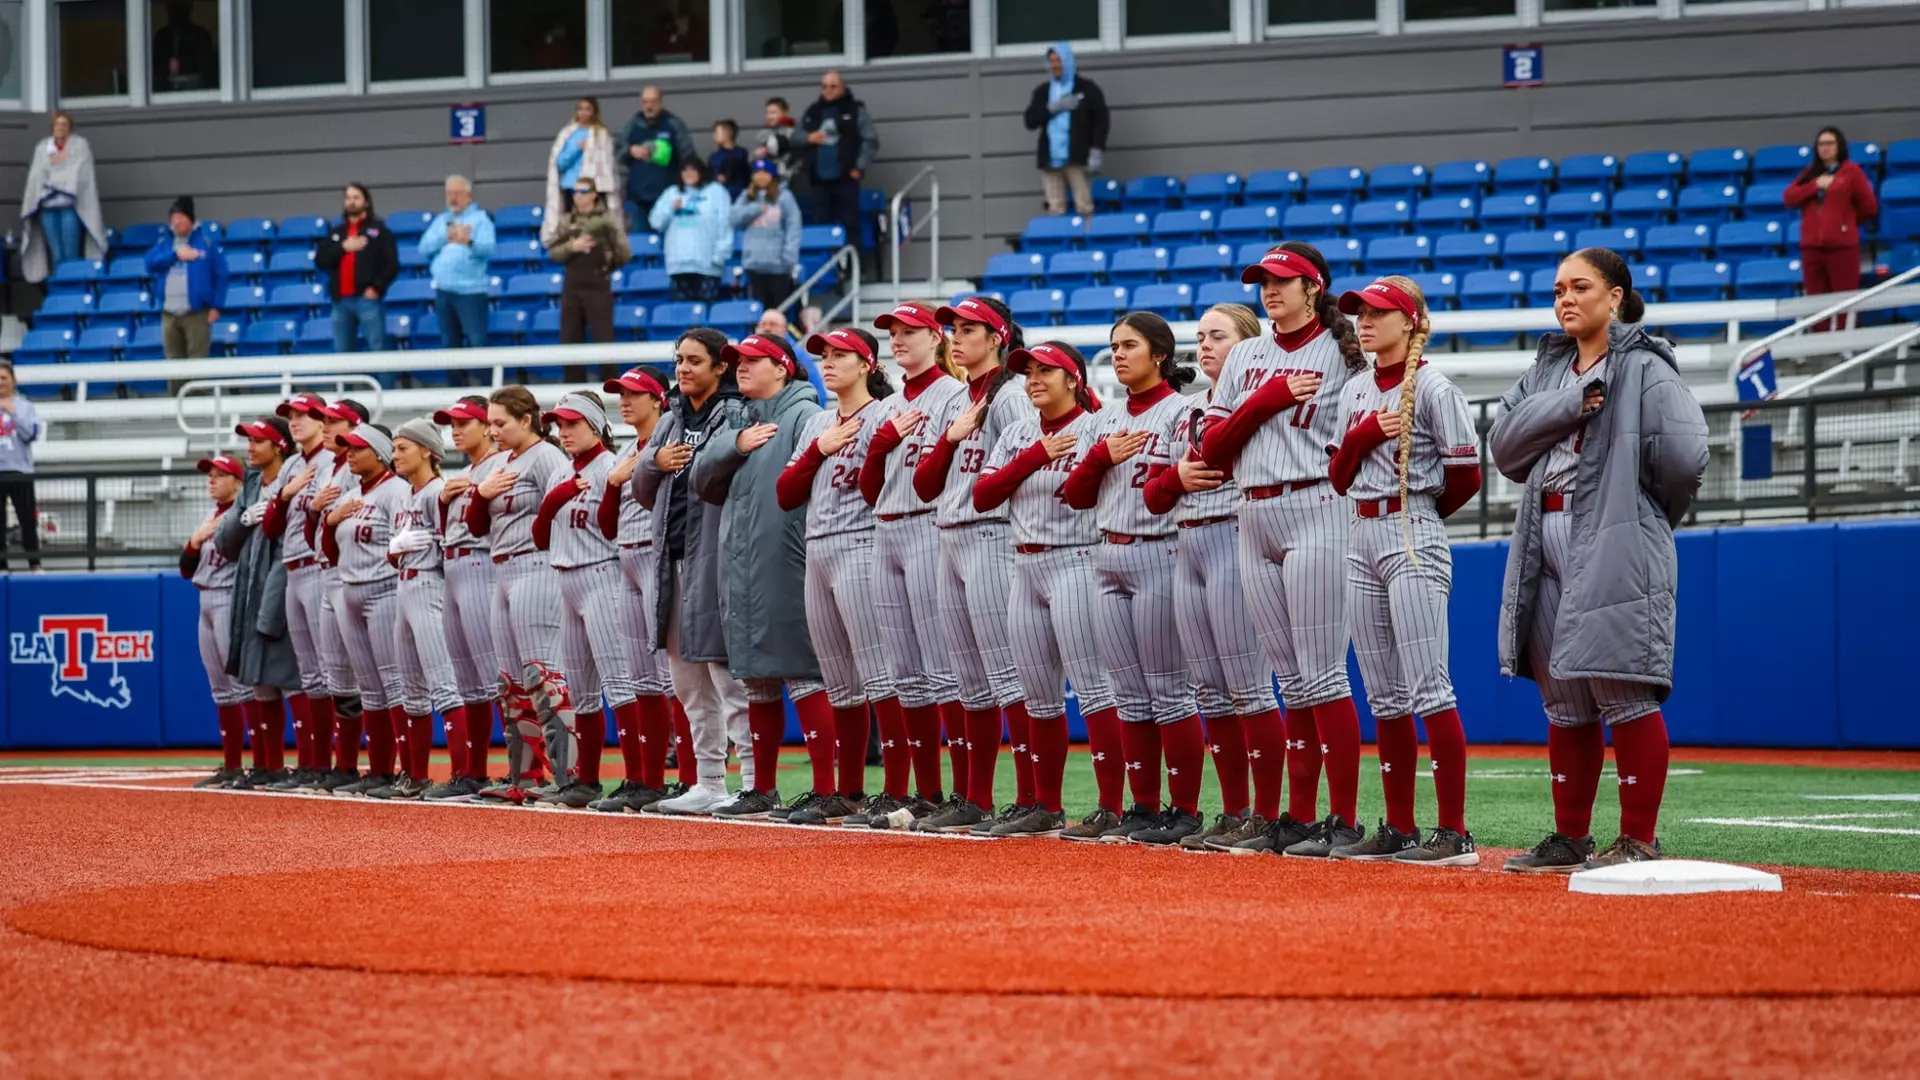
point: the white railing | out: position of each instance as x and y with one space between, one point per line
1821 308
930 220
222 403
847 259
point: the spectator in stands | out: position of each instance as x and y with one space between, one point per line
652 146
770 245
842 142
19 427
193 281
184 53
60 213
457 245
728 162
361 261
1833 197
1071 115
694 218
583 148
776 142
591 245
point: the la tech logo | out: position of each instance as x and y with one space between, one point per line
79 649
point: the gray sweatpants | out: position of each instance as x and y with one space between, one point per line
716 706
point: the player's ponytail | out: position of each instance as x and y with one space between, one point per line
1618 275
1161 345
879 387
1416 348
1013 339
1324 305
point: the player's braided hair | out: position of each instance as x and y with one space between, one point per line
606 434
1416 348
1324 305
1160 343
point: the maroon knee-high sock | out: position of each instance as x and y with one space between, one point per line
275 719
1447 747
895 755
592 724
923 742
1109 757
380 740
455 719
821 727
626 720
1227 742
953 720
1340 735
983 754
233 735
1640 752
1185 746
1140 743
1049 741
1303 764
302 730
256 712
683 746
653 723
850 746
479 738
420 746
1266 759
347 752
1575 755
326 727
768 722
1020 737
1399 756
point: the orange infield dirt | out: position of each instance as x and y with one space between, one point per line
163 932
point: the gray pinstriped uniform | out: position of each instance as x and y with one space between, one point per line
1563 458
1136 626
306 592
1293 546
839 585
1398 607
1050 614
369 586
335 654
526 606
976 555
1230 675
214 578
592 591
651 675
427 679
907 561
467 617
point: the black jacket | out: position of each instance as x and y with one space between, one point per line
374 266
857 140
1089 128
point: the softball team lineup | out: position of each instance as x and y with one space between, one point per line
949 554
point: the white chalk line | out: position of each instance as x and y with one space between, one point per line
1802 823
1902 796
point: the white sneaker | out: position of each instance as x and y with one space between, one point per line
699 800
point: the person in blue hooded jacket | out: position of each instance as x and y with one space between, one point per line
695 219
192 278
1070 113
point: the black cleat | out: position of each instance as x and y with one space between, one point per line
369 782
1281 833
405 788
805 800
1135 819
1323 836
1010 812
1223 824
220 778
1556 854
458 789
1037 821
297 780
958 815
1386 843
751 804
1175 825
573 795
332 782
1443 847
1626 849
1092 827
826 810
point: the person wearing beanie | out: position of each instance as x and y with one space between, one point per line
193 279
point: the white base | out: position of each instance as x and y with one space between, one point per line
1669 877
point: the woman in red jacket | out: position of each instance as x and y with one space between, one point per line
1833 197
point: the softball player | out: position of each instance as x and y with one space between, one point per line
567 527
1119 451
1230 675
526 606
350 710
286 521
824 476
427 679
647 725
907 560
1275 410
259 653
976 549
466 617
354 538
1050 618
213 575
1408 456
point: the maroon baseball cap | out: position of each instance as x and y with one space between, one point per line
273 430
973 309
639 381
225 463
909 313
460 410
1282 263
1383 295
842 338
1022 361
309 404
760 345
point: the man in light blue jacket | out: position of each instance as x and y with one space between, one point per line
695 219
457 246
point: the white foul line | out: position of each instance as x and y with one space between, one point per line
1760 823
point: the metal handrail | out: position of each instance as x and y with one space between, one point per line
282 384
1848 303
1854 361
848 258
932 218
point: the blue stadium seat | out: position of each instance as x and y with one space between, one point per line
1649 280
516 256
1767 279
1870 156
1654 168
246 300
290 268
148 343
1239 224
1442 289
1248 254
1780 163
630 322
1446 213
399 330
1276 186
1582 171
1623 242
1460 178
1381 217
1347 283
128 270
1398 255
1183 226
1171 302
1540 287
1344 254
45 345
1709 204
668 320
545 327
736 318
1643 207
1398 181
1053 233
267 337
1536 250
647 250
299 233
316 337
1139 266
1577 209
426 332
1903 158
125 307
1336 184
410 296
822 239
1215 190
75 276
1520 175
245 267
1108 194
985 293
1198 264
1320 219
1115 230
409 224
1227 292
303 301
531 292
650 286
1899 209
1766 201
1490 290
1511 213
1014 270
138 238
99 345
246 234
1678 243
63 311
1151 193
1096 304
1698 282
1465 251
1749 239
1725 165
1038 307
412 263
507 327
518 222
1075 269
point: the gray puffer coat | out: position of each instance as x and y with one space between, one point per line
699 603
258 650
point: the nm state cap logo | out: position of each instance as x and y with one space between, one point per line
79 649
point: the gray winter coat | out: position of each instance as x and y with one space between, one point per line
699 605
769 233
259 652
1640 468
765 569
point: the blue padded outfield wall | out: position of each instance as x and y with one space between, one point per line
1789 635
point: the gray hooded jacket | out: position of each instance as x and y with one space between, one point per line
699 604
1640 468
258 650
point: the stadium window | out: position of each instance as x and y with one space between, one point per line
186 45
416 39
1020 22
918 28
298 44
648 32
1282 13
1147 18
11 35
93 48
773 28
541 35
1600 5
1458 9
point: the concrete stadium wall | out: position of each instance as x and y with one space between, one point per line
1612 87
